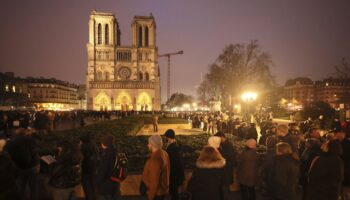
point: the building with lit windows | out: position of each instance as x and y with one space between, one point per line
302 91
122 77
333 91
39 93
13 91
52 94
299 90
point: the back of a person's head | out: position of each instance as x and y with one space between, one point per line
334 147
75 152
2 144
282 129
20 132
283 148
107 140
209 155
271 142
313 143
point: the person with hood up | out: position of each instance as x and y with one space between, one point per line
247 170
208 176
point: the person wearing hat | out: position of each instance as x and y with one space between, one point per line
207 177
227 151
340 136
247 170
177 174
214 141
8 174
284 136
106 188
156 171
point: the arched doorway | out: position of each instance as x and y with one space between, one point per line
102 102
144 102
123 102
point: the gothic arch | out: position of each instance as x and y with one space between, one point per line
146 36
147 76
99 76
140 36
107 76
123 101
102 102
106 34
99 34
144 102
140 76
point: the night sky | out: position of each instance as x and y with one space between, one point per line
305 38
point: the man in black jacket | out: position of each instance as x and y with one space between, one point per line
227 151
106 188
177 175
23 152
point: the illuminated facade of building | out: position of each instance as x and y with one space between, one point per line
39 93
122 77
303 91
52 94
333 91
300 90
13 91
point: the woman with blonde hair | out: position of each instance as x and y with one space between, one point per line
207 178
284 175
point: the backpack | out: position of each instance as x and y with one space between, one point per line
120 170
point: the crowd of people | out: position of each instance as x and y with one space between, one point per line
301 162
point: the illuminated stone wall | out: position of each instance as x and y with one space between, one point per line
122 77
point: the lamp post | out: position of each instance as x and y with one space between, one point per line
248 98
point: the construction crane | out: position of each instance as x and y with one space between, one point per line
168 55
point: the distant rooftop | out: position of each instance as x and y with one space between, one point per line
10 76
94 12
301 80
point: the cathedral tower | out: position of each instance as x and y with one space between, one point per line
122 77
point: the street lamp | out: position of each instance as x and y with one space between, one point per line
249 97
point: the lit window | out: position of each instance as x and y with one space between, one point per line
28 95
327 84
7 88
13 88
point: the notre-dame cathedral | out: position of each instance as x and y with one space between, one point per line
122 77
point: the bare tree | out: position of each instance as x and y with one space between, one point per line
343 70
237 67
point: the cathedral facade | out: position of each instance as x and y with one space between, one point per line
122 77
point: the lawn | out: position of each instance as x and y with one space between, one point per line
135 147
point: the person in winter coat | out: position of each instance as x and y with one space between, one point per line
24 153
156 171
252 132
284 177
340 136
8 174
326 174
66 173
177 174
284 136
208 176
88 176
312 150
106 188
227 151
247 170
267 164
